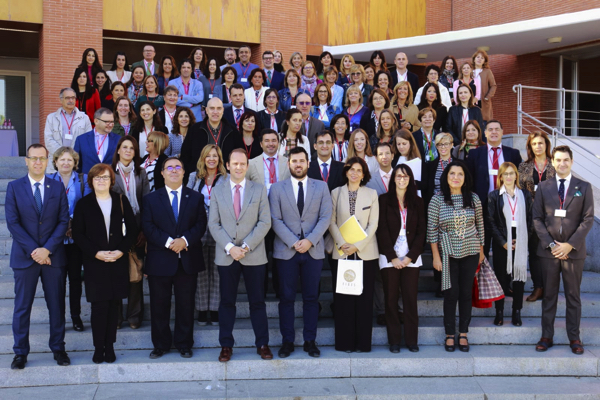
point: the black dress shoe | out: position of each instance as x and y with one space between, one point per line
214 316
62 358
499 320
77 324
18 362
413 348
395 348
516 318
286 349
311 348
98 357
463 347
109 354
185 352
158 353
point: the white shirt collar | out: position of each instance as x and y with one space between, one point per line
304 181
567 179
178 190
242 184
328 162
503 190
266 157
383 173
33 181
489 146
237 108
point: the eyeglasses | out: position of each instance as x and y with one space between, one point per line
106 122
271 97
37 159
321 143
304 103
104 178
402 178
69 98
172 168
508 174
267 58
308 67
445 144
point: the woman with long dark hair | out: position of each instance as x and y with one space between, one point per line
136 83
471 139
199 62
119 71
249 128
211 80
340 127
228 77
124 115
90 63
88 98
449 74
150 93
430 97
103 85
291 135
401 238
167 71
455 229
378 61
254 95
465 110
182 121
117 89
147 122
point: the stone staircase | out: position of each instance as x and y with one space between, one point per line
497 353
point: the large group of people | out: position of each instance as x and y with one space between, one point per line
201 174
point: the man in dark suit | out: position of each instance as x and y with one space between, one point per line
310 125
301 212
323 167
98 145
483 164
174 221
234 112
274 78
240 219
563 214
401 73
37 216
148 63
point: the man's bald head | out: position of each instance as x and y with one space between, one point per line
303 102
401 61
214 110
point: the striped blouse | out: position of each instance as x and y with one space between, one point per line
458 230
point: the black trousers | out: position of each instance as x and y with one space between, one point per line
408 280
354 314
535 262
462 275
104 322
510 287
74 264
271 264
183 286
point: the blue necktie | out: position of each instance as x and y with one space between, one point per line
561 191
38 198
325 172
174 204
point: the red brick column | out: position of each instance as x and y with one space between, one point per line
63 39
283 27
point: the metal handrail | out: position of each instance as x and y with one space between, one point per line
515 87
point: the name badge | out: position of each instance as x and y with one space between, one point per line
210 96
69 136
513 224
560 213
535 188
493 172
244 80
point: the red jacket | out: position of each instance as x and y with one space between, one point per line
91 105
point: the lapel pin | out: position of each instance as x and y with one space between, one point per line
576 187
187 195
48 186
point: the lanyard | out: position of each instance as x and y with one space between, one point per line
383 181
61 181
218 134
209 188
538 171
148 162
272 175
122 76
146 133
186 88
273 120
514 209
101 143
228 95
258 97
125 180
171 115
340 146
248 150
67 122
244 71
403 213
465 116
127 128
442 165
212 85
321 115
355 111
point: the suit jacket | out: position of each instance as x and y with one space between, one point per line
367 214
454 122
411 77
314 126
336 177
85 145
376 183
142 63
229 117
159 224
289 225
104 280
30 231
574 228
477 162
390 224
251 227
256 172
264 118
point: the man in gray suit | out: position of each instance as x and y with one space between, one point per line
563 214
239 219
270 167
311 125
301 212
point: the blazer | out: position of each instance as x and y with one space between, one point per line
477 163
161 82
221 93
526 171
574 228
288 224
85 146
331 111
142 63
251 227
428 171
314 126
197 138
286 101
91 105
159 224
475 86
229 116
104 280
335 178
366 92
411 77
250 99
488 89
142 188
409 114
206 85
53 130
418 136
454 122
256 172
276 80
496 220
264 119
193 99
30 231
367 214
376 183
390 224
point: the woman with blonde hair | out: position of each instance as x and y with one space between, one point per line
152 162
354 106
403 107
359 78
296 62
358 146
345 65
149 93
210 171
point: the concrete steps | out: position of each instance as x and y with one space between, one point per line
431 361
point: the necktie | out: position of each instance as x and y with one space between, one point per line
272 173
238 114
38 198
325 172
268 78
495 164
300 198
237 204
561 192
174 205
148 71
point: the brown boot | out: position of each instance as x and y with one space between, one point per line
537 294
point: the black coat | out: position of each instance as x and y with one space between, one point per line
495 217
136 134
159 179
104 280
336 177
454 121
411 77
264 119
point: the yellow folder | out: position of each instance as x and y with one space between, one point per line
352 232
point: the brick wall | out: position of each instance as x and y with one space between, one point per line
438 16
61 47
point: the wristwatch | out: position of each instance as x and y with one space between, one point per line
551 245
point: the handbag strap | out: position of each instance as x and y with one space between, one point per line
122 212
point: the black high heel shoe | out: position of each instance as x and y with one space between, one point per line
463 347
450 347
109 354
98 357
499 320
516 318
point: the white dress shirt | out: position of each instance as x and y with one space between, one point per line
232 184
567 182
266 173
178 190
295 187
490 157
328 162
32 182
101 142
385 177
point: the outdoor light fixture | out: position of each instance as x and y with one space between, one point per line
422 56
556 39
484 48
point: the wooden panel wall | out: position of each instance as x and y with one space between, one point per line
337 22
21 10
221 20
